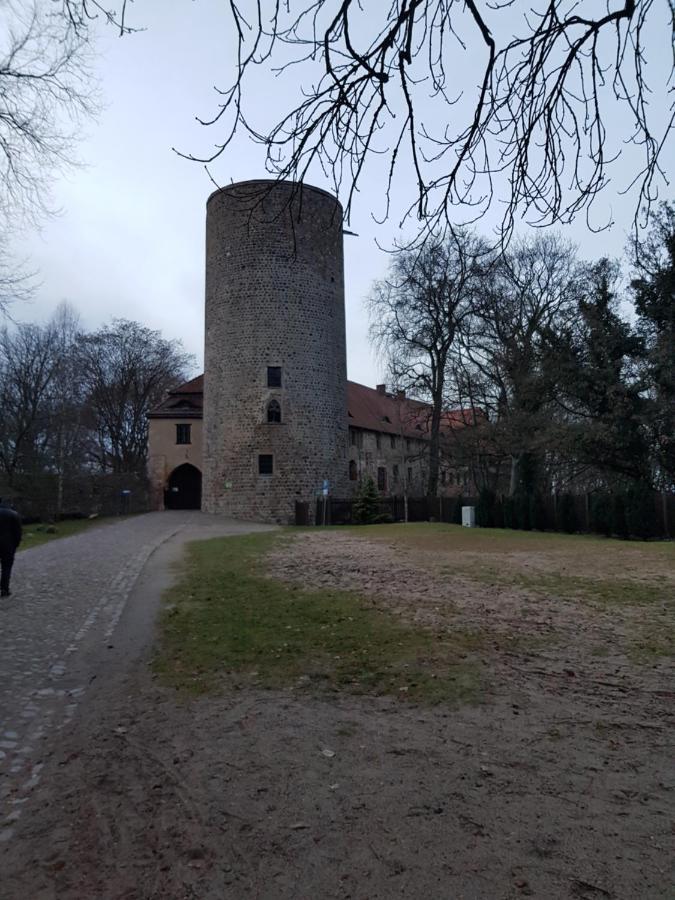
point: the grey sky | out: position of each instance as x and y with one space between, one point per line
130 239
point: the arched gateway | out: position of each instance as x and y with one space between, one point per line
185 488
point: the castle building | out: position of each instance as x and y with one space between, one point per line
387 440
274 420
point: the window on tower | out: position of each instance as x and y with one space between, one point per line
273 411
183 435
265 464
274 376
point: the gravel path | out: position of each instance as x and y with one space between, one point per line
57 629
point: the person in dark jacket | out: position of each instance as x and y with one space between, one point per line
10 538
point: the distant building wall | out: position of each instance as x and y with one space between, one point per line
399 464
274 299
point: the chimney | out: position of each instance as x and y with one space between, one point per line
400 395
381 388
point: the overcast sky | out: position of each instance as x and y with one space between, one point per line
130 239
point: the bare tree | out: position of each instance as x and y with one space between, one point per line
531 130
45 89
27 367
416 313
127 369
529 297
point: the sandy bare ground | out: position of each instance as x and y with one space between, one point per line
559 783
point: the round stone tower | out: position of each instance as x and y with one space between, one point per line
275 404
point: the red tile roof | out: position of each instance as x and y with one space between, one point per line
194 386
368 408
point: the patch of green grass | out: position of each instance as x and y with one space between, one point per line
620 591
650 643
225 622
40 533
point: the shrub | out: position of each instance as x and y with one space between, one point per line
383 519
508 511
498 514
601 513
522 512
538 517
485 508
366 503
640 511
567 514
618 523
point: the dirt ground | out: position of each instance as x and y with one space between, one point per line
558 783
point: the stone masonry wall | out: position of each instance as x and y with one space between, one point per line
274 297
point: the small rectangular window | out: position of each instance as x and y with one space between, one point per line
183 435
407 444
265 464
381 478
393 442
395 473
274 376
356 438
378 441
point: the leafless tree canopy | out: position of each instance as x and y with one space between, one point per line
45 89
530 131
418 312
73 402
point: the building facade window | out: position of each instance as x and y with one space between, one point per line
274 376
378 441
353 471
395 473
273 411
265 464
408 444
183 434
356 438
381 478
392 438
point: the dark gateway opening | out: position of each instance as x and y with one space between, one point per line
185 488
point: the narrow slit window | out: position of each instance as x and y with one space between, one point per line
273 411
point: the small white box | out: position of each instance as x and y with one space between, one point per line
469 516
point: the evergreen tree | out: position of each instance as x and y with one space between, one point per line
366 502
599 389
654 293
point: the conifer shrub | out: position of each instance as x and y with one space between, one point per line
366 503
567 514
498 513
485 508
601 513
508 511
522 512
639 506
618 523
538 516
